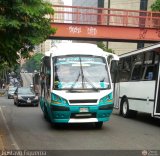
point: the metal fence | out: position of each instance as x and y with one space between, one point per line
105 16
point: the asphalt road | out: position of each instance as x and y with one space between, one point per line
26 128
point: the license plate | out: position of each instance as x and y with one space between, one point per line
83 110
28 101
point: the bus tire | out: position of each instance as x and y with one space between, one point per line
46 116
125 108
98 125
36 105
126 113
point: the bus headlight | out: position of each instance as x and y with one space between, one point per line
106 99
55 99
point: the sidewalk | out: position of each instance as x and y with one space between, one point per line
2 92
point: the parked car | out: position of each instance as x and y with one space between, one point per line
25 96
10 92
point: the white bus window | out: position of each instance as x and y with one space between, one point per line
125 69
148 59
138 58
156 59
150 73
137 72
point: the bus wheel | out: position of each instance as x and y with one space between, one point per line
46 116
98 125
125 109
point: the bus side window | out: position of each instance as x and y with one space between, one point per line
125 69
136 74
150 73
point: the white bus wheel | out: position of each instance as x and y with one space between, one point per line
125 108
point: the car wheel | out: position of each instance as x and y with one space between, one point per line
98 125
17 104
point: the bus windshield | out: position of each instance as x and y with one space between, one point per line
80 72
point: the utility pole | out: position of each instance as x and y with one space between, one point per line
108 19
20 60
143 6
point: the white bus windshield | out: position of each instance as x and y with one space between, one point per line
81 72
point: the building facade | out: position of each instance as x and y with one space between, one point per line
85 3
56 2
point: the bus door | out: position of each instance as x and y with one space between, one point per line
157 93
115 82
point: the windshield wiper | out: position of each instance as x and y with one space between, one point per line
91 83
83 77
75 82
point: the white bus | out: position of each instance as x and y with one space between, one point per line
137 82
76 84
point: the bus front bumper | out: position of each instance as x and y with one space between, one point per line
80 114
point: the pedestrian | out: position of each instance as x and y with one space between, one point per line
3 86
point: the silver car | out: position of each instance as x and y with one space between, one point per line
11 91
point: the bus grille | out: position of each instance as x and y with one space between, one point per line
83 101
83 115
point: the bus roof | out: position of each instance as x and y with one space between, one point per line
155 47
76 48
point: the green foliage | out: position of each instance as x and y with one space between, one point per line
33 63
23 24
156 6
3 67
104 48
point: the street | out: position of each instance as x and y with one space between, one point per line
26 128
80 78
30 131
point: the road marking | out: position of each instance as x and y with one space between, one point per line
9 131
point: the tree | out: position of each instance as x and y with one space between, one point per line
104 48
23 24
33 63
156 6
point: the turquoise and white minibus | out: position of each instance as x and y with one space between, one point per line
76 85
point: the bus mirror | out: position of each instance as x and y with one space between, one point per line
112 57
113 66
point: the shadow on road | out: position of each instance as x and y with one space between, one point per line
144 118
73 126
